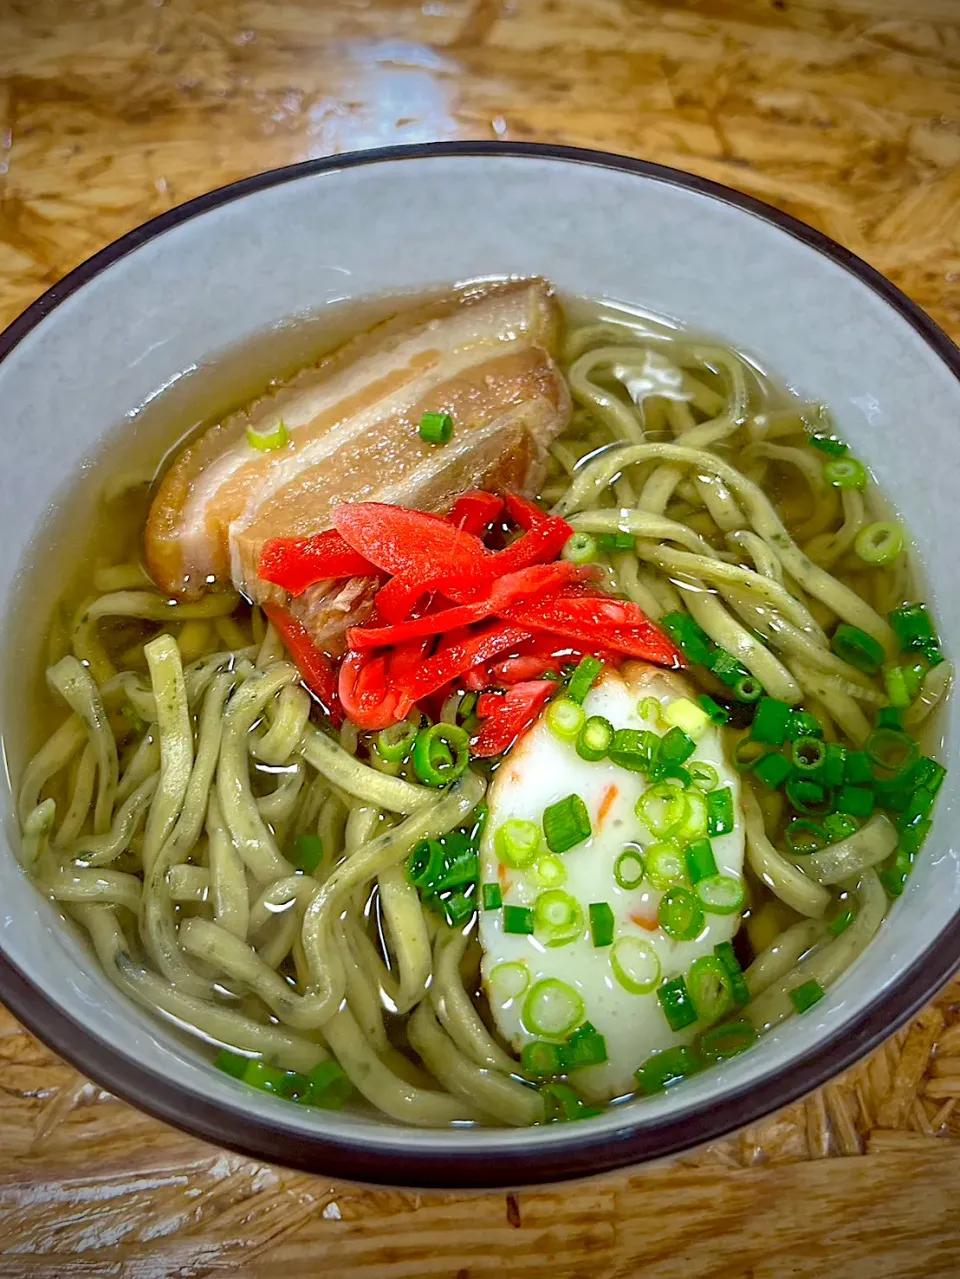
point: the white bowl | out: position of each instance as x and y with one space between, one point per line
79 364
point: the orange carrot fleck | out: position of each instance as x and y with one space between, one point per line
609 795
641 921
502 876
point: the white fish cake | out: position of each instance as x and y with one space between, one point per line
539 771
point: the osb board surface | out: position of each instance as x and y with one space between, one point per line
845 113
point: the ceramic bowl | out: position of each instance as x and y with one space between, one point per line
78 367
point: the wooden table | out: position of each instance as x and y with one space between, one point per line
844 112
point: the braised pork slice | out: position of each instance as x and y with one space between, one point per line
482 354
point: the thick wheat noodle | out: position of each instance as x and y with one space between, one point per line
765 562
74 684
841 599
113 887
357 779
773 869
709 613
363 996
176 743
100 850
280 804
403 913
630 584
606 406
288 717
81 798
712 492
454 1006
144 762
238 807
35 834
837 700
870 845
641 524
502 1098
229 895
188 883
52 757
826 548
779 957
936 682
214 1022
811 468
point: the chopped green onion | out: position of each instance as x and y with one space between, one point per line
582 679
726 668
629 869
650 708
517 842
518 920
808 754
601 923
540 1058
692 641
425 865
549 871
329 1087
880 543
635 965
492 896
563 1104
895 680
594 738
559 917
833 768
552 1008
771 721
711 988
308 853
858 648
676 1004
616 541
890 717
700 860
272 1079
665 864
842 921
845 473
747 753
858 801
896 871
892 751
459 868
803 724
668 1067
747 689
457 908
694 824
828 444
509 981
857 769
806 995
721 894
729 1040
720 818
585 1047
728 957
808 797
837 826
580 548
716 712
685 716
773 770
803 837
436 428
441 754
703 777
267 439
566 824
913 627
634 748
929 774
395 743
680 914
231 1063
676 747
565 718
663 809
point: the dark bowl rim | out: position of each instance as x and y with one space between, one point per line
581 1153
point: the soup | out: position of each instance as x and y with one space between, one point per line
514 712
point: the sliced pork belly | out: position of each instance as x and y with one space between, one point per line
481 354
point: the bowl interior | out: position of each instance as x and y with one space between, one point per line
177 294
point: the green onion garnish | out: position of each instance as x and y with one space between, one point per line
747 689
492 896
895 680
601 923
616 541
773 770
635 965
268 438
436 428
441 754
425 864
395 743
559 917
720 818
668 1067
842 921
929 774
676 747
552 1008
665 864
580 548
676 1004
845 473
663 809
231 1063
565 718
809 754
803 724
716 712
832 770
272 1079
913 627
508 981
308 853
837 826
693 642
805 996
680 914
540 1058
828 444
728 1040
892 751
728 957
328 1087
585 1047
703 777
629 869
634 748
516 842
711 988
858 648
563 1104
890 717
880 543
518 920
566 824
808 797
549 871
582 679
858 801
700 860
594 738
720 894
771 721
457 908
803 837
856 769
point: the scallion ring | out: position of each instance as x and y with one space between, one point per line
703 777
845 473
441 754
266 439
395 743
552 1008
565 718
559 918
663 809
580 548
635 965
880 543
629 868
665 864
